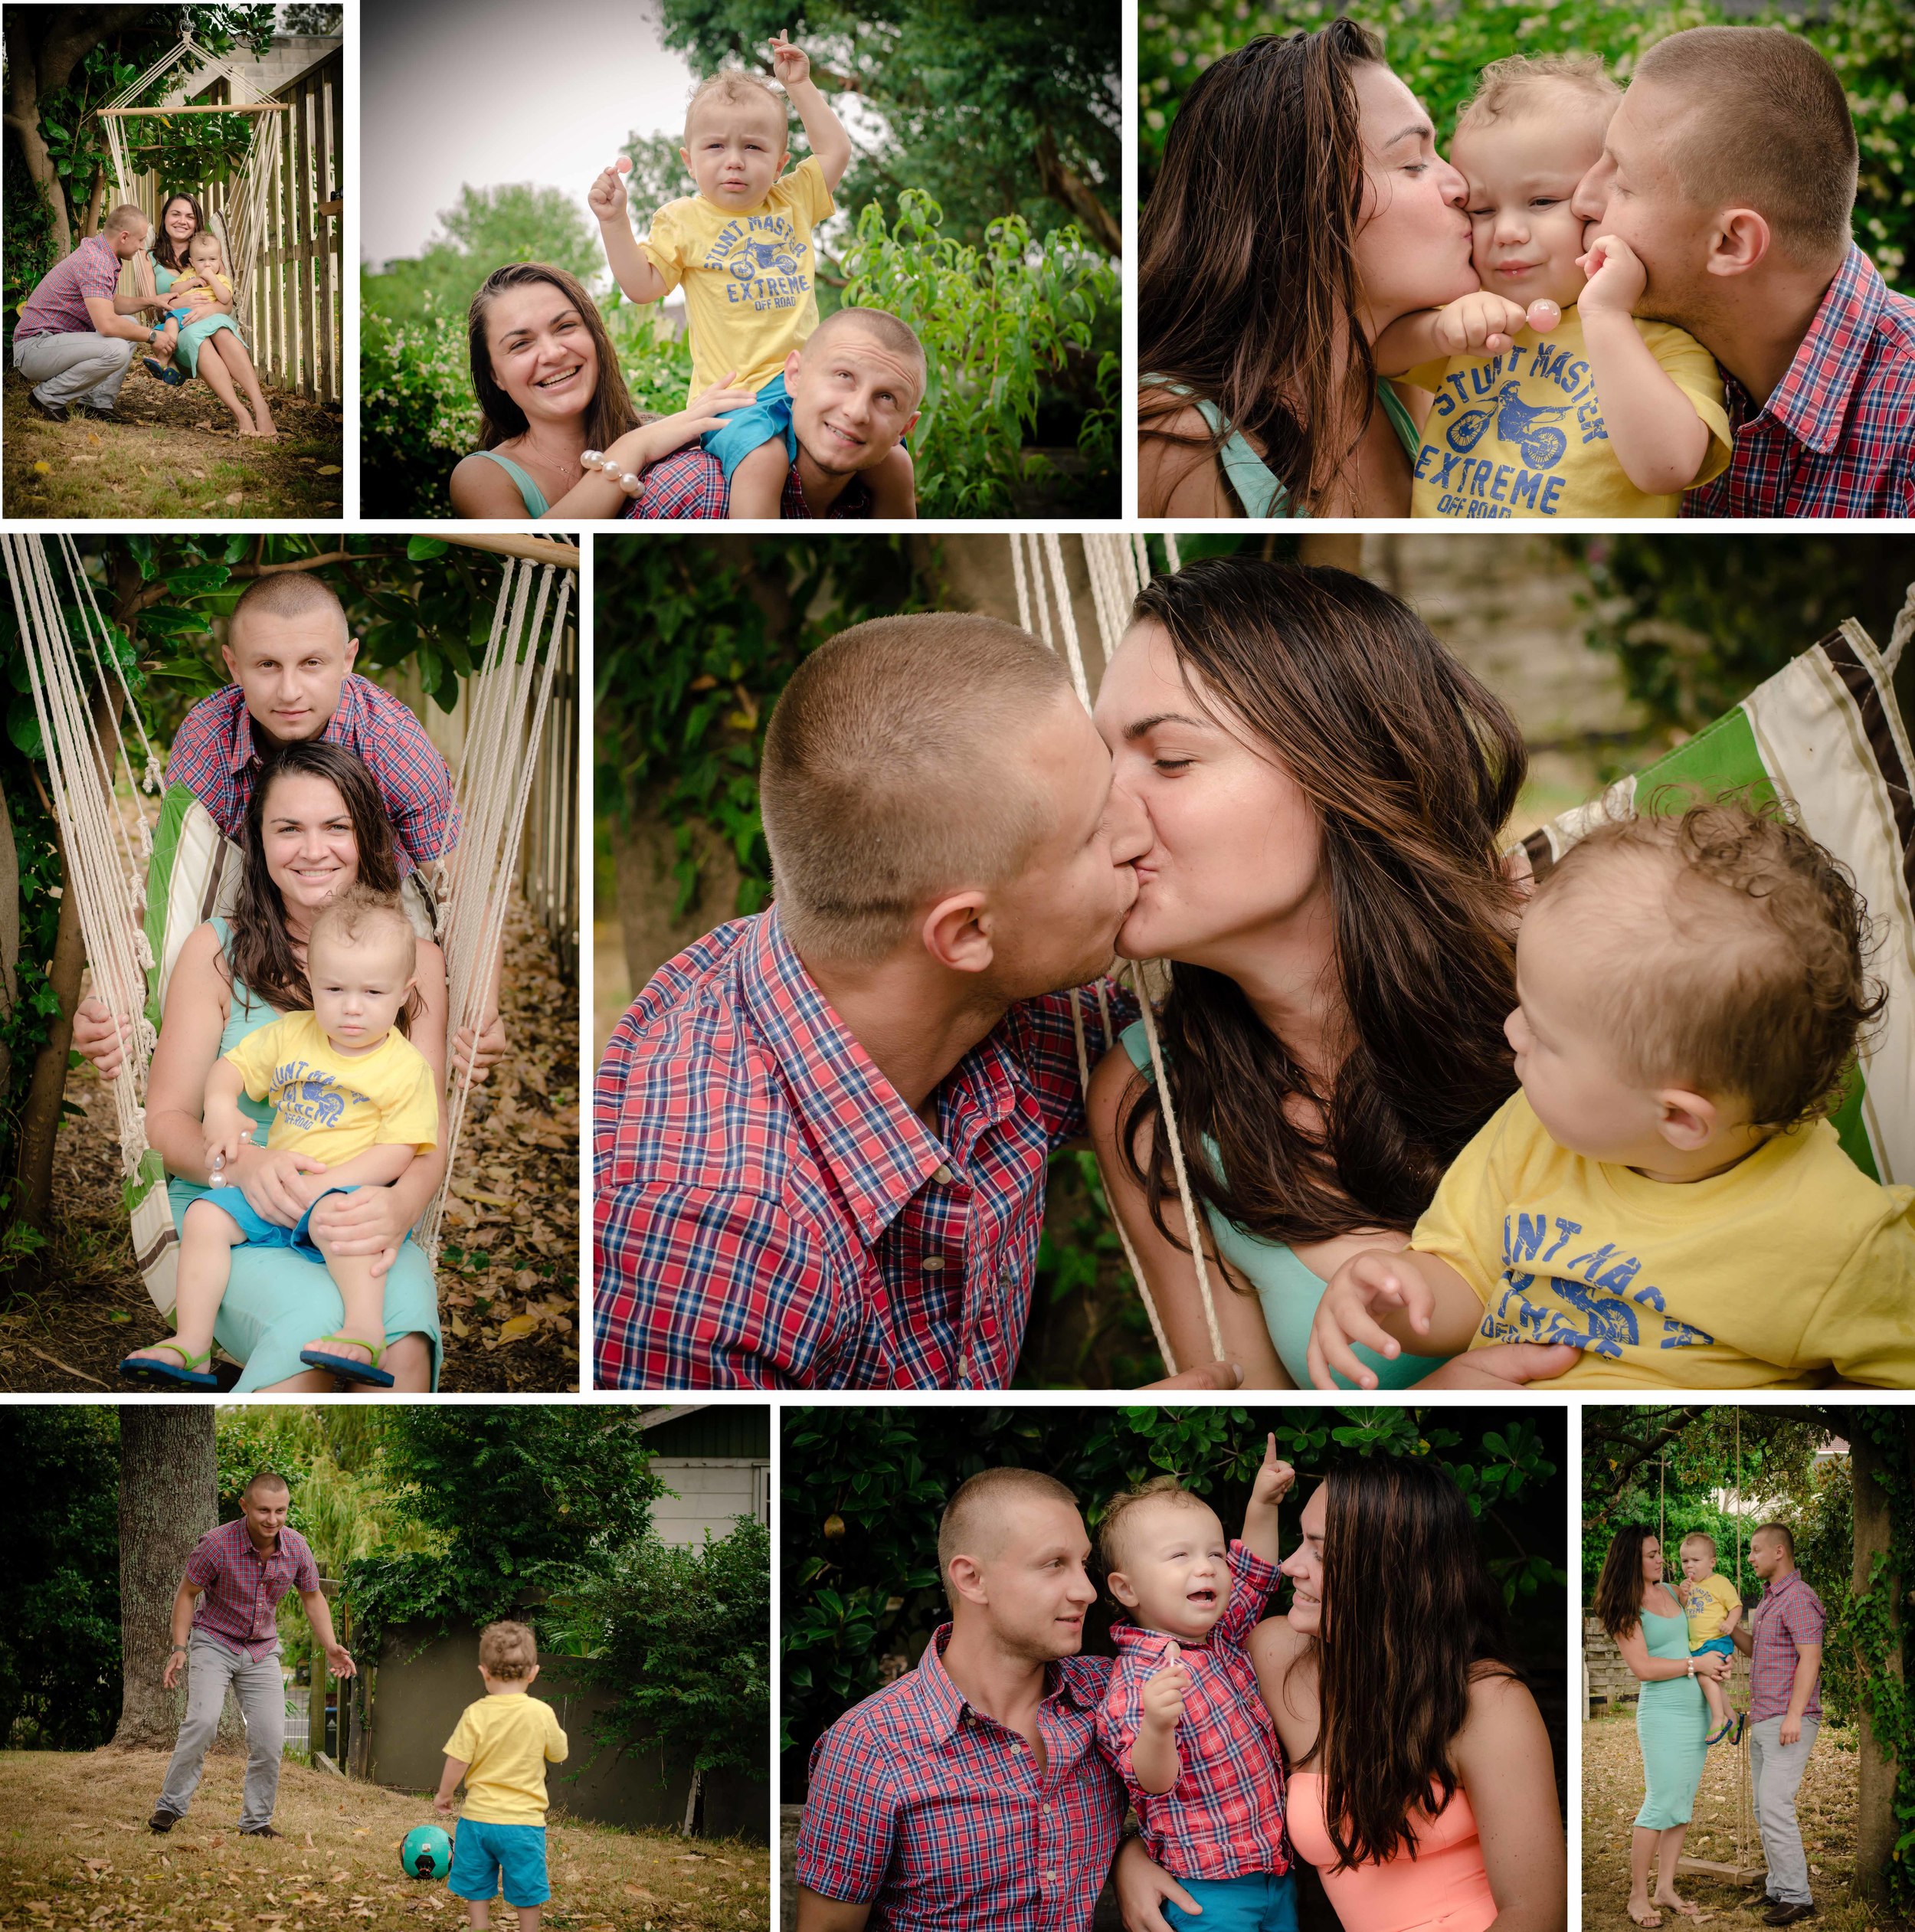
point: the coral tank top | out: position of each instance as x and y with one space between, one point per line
1444 1885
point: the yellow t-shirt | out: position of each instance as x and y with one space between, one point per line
748 299
1792 1264
1707 1605
333 1105
1521 435
504 1742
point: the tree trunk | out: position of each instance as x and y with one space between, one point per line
1072 192
40 1118
168 1499
1876 1826
9 926
691 1801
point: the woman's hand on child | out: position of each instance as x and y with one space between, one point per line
1377 1279
99 1037
640 448
267 1177
1164 1693
365 1222
791 66
1478 323
606 197
1617 277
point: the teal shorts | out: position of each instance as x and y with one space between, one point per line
1256 1901
483 1855
766 419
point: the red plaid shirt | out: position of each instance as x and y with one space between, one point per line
1790 1614
58 305
243 1588
1224 1816
1836 438
769 1211
215 755
691 483
937 1815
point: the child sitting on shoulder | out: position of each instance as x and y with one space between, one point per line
500 1750
1663 1193
1595 414
742 247
1182 1722
1713 1608
348 1090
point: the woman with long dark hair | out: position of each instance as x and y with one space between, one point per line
1327 789
316 826
1651 1629
1302 207
549 388
1420 1783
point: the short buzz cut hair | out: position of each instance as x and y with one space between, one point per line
1123 1508
1782 1534
1768 127
1734 962
899 337
266 1479
128 215
969 1525
1699 1536
886 781
1519 83
286 594
507 1651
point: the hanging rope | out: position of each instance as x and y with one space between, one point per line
1904 629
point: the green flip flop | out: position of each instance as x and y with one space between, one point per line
344 1367
190 1374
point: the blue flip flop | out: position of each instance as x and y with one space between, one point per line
344 1367
189 1374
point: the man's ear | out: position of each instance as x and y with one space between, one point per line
793 363
351 650
964 1577
232 666
910 426
1688 1122
1121 1588
957 933
1739 241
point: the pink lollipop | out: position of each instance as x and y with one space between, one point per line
1544 315
623 164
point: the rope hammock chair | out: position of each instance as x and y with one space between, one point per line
1823 734
242 225
140 890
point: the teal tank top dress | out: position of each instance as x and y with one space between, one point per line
186 350
1671 1722
530 494
277 1303
1287 1291
1252 482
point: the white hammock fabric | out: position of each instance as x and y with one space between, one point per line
241 228
105 856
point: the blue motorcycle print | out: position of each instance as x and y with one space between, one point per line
756 258
1525 425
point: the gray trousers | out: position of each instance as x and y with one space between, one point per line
211 1667
87 368
1777 1769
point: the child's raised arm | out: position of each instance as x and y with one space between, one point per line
791 68
1658 436
1390 1300
638 279
1273 1484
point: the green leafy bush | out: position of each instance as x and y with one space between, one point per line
995 322
1438 52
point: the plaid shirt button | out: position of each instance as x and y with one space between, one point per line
942 1177
933 1263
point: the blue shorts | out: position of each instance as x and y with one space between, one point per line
1715 1647
260 1232
482 1853
767 420
1256 1901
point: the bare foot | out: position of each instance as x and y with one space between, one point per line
1643 1913
1668 1902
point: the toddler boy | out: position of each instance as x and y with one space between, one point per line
1182 1722
348 1088
742 246
1714 1609
1602 415
1662 1193
500 1750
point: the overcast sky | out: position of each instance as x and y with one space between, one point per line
485 92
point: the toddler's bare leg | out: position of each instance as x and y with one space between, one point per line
207 1238
528 1918
757 483
1718 1705
478 1914
364 1294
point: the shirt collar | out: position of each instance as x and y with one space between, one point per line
878 1151
1811 402
938 1706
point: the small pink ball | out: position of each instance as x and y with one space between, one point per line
1544 315
624 164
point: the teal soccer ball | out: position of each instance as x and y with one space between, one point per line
426 1853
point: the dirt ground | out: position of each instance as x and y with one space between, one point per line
178 455
75 1851
509 1257
1612 1794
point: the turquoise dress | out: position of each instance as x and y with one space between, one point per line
186 353
277 1303
1671 1723
529 493
1287 1291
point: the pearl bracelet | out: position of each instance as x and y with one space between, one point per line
626 479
